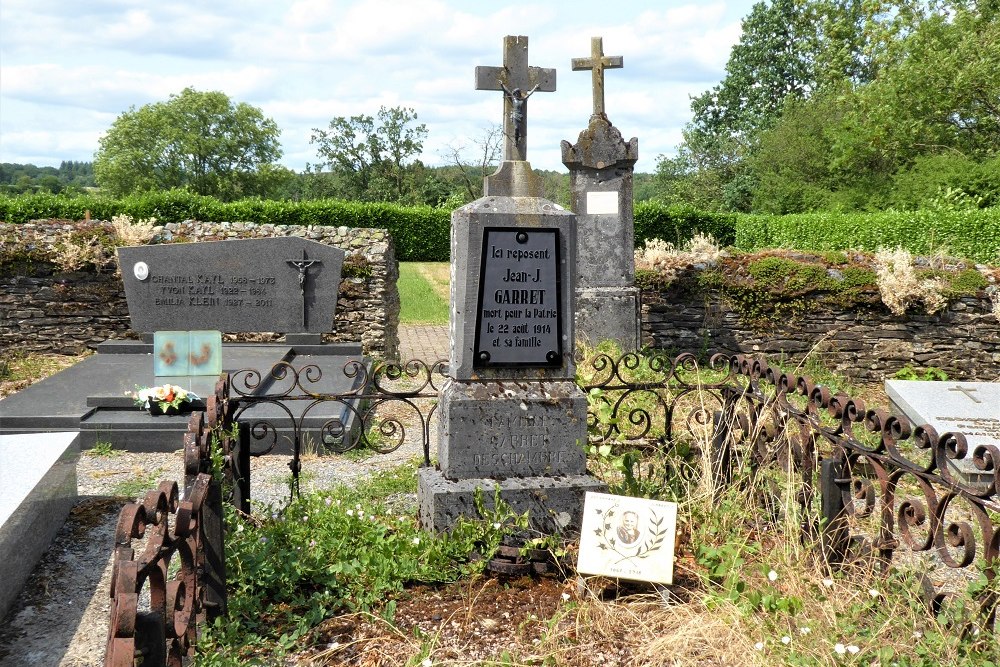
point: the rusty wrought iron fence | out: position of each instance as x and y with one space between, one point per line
869 484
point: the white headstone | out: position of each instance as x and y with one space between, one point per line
971 408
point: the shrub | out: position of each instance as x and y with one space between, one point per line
971 233
421 233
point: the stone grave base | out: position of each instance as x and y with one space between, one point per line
554 504
89 396
37 491
608 313
510 428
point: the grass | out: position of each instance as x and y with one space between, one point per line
138 483
423 292
19 369
748 590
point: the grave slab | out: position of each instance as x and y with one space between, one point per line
37 491
971 408
90 396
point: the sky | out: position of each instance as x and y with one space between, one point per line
68 68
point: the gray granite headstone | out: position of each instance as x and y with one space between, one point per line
285 284
601 165
970 408
511 416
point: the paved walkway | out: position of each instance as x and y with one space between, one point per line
427 342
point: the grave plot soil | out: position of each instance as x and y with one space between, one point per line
527 621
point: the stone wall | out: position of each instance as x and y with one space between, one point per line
48 305
866 344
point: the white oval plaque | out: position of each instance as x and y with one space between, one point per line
141 270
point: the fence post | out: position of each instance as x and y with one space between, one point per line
213 546
241 471
834 533
720 455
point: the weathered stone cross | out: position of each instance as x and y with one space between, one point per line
518 81
966 391
597 63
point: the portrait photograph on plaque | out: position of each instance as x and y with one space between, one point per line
518 317
628 538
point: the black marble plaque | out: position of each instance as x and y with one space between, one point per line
518 321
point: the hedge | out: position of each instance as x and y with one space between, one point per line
973 234
421 233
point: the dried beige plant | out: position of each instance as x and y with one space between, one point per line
667 259
132 232
71 256
900 286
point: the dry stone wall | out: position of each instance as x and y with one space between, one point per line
865 344
47 305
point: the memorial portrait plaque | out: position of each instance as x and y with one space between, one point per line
518 319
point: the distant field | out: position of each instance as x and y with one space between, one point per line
423 292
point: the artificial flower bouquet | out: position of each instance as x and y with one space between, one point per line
168 397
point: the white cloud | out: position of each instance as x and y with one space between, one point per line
304 63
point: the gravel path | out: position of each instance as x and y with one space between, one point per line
61 617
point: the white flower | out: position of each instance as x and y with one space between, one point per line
239 528
772 575
917 634
873 592
839 649
328 502
416 541
828 582
565 596
426 663
805 630
852 649
496 526
759 646
350 512
786 640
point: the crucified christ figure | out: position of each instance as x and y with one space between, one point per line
518 108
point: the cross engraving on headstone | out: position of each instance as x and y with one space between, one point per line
303 266
597 63
966 391
518 81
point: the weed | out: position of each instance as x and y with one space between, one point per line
137 484
931 373
103 448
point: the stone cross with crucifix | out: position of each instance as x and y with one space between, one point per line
517 81
597 63
303 266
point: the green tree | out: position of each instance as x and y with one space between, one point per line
929 121
370 157
201 141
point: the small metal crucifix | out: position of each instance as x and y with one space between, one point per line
517 81
303 265
965 390
597 63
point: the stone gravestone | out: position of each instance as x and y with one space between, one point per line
286 285
207 285
970 408
601 165
510 413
